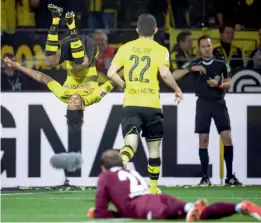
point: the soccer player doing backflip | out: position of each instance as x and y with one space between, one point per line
79 53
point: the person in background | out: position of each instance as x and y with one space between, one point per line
11 80
106 54
226 49
182 51
254 61
181 54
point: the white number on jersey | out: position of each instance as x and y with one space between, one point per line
138 186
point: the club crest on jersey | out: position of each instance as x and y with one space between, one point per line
103 93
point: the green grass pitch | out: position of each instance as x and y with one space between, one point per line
72 205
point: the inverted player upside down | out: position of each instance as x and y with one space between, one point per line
79 52
76 99
129 193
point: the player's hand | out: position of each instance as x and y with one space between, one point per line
212 82
199 68
91 213
179 96
11 63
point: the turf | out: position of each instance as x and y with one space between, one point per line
72 206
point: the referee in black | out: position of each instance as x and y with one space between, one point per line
212 80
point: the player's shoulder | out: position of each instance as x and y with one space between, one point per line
159 47
128 44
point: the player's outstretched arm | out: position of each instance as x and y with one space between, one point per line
170 81
114 76
36 75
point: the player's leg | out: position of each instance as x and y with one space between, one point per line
131 127
221 209
202 127
222 121
52 54
153 132
159 207
154 164
176 209
77 48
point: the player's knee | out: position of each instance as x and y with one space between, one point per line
226 138
203 140
132 139
154 130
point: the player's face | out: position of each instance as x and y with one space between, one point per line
228 35
206 48
75 102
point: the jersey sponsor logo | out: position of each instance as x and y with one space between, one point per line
248 81
134 91
77 86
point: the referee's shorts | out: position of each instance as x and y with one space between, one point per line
212 108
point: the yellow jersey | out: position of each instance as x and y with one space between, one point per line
83 82
141 60
89 95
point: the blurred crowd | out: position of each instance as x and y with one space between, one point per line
111 14
102 17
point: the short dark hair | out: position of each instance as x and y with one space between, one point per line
183 35
224 26
111 158
203 37
9 55
74 120
146 25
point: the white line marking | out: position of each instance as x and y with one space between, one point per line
45 192
85 197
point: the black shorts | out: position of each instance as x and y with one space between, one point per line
148 120
208 109
90 48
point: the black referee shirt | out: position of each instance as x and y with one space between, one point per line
216 69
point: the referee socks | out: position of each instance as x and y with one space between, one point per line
204 160
154 171
126 154
228 156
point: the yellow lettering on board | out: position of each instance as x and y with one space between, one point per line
25 53
7 49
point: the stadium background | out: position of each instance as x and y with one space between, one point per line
33 123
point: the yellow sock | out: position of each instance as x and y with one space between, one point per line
126 154
154 172
51 46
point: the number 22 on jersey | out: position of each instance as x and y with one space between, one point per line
138 186
144 61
